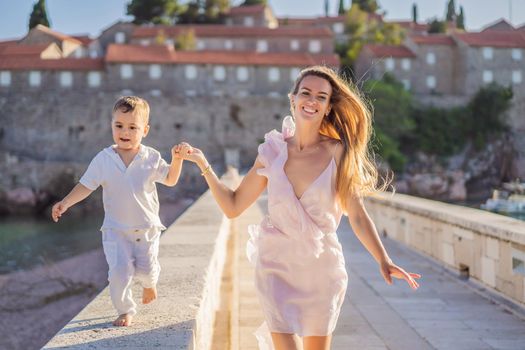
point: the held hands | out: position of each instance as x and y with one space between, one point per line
185 151
58 209
389 270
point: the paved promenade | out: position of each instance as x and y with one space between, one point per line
446 313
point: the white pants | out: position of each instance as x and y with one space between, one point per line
129 254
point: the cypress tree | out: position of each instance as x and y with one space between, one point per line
460 21
451 11
414 13
341 10
39 15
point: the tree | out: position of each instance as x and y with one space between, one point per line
153 11
190 14
487 113
341 9
414 13
39 15
451 11
326 7
392 118
460 21
254 2
369 6
214 9
186 41
437 26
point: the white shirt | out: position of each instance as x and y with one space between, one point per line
129 194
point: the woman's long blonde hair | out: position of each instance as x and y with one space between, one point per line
350 121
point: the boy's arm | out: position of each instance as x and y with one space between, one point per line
77 194
174 170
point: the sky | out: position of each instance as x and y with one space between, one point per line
92 16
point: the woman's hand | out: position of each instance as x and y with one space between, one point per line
193 154
389 270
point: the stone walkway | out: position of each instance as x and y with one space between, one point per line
446 313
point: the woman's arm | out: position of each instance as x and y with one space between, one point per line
232 202
366 232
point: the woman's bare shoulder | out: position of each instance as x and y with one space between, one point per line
334 147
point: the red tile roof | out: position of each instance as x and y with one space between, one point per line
23 50
410 25
84 39
33 63
500 24
247 10
55 34
139 53
160 54
291 21
522 27
389 51
231 31
310 21
433 39
493 38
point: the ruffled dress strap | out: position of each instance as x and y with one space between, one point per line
274 145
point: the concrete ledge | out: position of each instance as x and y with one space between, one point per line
192 256
476 243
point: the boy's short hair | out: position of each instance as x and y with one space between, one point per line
133 104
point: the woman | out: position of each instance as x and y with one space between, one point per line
315 170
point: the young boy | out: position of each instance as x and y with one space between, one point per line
127 172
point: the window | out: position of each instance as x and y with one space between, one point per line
488 53
516 77
314 46
243 93
35 78
390 64
5 78
294 45
273 74
190 72
431 82
93 53
228 44
294 73
169 43
248 21
431 58
120 37
338 28
488 77
201 45
155 71
243 74
190 93
66 79
262 46
219 73
126 71
406 84
94 79
144 42
78 53
516 54
405 64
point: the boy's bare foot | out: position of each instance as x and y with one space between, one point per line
148 295
123 320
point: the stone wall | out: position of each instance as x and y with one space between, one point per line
46 134
487 247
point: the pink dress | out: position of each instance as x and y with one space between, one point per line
300 273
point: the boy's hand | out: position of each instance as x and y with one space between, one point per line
190 153
57 210
175 152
